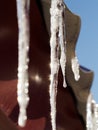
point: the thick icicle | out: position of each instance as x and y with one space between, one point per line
23 48
54 63
75 68
56 41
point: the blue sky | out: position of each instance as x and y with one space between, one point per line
87 45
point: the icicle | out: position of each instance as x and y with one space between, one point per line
54 65
56 43
89 119
75 68
95 119
23 48
62 40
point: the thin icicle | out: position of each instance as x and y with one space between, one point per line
89 119
62 40
23 48
56 43
95 118
75 68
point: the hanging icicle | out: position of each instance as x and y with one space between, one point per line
75 68
89 119
23 60
95 118
62 40
58 53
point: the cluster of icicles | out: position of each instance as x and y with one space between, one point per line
58 53
92 114
58 56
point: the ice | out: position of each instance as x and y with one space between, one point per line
23 59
